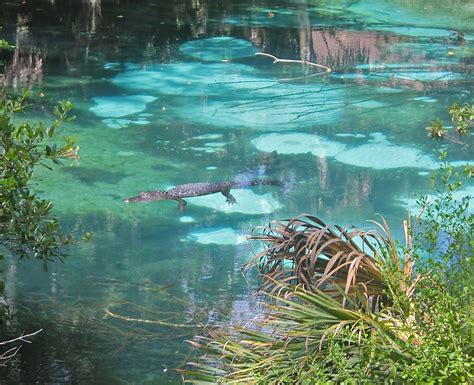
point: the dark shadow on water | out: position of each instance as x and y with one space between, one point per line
90 175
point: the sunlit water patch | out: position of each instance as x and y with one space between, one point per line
248 202
119 106
295 143
411 203
440 15
187 219
225 236
190 79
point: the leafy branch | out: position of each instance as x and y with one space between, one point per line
461 116
26 226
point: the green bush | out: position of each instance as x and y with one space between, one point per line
462 118
26 225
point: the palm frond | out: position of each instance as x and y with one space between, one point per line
304 250
295 328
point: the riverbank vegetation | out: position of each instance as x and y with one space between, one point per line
27 227
345 305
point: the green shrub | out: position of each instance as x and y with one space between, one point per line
26 225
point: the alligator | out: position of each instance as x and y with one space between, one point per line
188 190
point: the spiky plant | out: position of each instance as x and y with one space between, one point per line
305 251
341 309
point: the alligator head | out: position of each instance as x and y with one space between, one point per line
148 196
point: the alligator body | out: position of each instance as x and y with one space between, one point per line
197 189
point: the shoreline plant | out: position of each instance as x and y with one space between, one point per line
27 228
344 305
462 117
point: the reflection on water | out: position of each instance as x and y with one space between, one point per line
169 93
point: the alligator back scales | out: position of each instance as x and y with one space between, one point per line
188 190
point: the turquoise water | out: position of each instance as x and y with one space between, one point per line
170 92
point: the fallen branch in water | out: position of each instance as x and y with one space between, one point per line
21 338
10 353
108 313
277 60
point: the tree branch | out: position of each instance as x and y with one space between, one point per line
108 313
21 338
277 60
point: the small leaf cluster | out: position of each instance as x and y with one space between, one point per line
4 44
462 117
26 225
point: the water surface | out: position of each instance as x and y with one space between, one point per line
171 92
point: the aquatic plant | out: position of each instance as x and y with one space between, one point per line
436 129
346 305
26 226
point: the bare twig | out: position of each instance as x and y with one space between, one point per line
21 338
108 313
6 356
292 61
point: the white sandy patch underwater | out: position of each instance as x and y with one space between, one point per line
298 143
223 236
248 202
119 106
381 154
